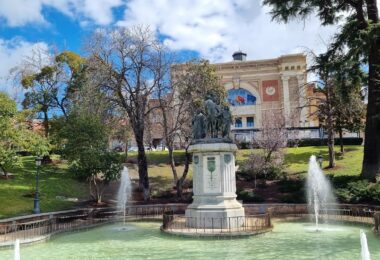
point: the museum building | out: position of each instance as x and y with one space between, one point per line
277 85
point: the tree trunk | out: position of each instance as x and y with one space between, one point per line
4 171
341 141
46 123
330 124
142 164
172 163
184 174
330 144
371 160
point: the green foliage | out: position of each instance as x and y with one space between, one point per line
297 197
358 43
196 82
8 137
323 142
72 59
84 134
27 81
360 191
15 135
86 150
249 196
103 165
35 143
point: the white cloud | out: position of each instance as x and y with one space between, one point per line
217 28
19 12
22 12
12 53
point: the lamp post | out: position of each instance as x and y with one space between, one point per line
36 208
320 160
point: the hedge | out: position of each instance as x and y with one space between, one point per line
323 142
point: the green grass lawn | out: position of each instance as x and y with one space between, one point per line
350 163
297 158
16 193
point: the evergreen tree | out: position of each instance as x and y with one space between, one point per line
359 39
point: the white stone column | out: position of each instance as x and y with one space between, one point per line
285 89
302 89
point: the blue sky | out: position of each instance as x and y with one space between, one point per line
211 29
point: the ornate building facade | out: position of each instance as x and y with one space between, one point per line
276 85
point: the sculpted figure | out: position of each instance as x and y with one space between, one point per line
199 126
212 112
225 121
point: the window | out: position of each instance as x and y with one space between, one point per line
250 122
238 122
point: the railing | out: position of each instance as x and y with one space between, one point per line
339 212
36 226
377 222
179 224
39 229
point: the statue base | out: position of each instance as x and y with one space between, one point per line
214 187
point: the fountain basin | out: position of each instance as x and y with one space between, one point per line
288 240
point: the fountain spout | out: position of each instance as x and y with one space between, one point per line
364 246
319 191
17 250
124 192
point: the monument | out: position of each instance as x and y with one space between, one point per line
214 184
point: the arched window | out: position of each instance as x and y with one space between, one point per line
240 97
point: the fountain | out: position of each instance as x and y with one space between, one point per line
124 192
319 191
214 185
17 250
364 246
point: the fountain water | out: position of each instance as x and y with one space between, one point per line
17 250
364 246
124 192
319 191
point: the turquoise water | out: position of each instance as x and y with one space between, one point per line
143 240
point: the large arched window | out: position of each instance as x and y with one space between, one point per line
240 97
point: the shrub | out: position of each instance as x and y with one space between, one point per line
289 186
163 194
359 192
293 198
249 196
257 167
323 142
244 145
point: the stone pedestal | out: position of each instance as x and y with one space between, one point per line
214 186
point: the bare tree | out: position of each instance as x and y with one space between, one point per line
130 64
271 139
178 102
176 124
273 135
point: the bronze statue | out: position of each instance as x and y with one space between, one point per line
225 118
212 112
214 124
199 126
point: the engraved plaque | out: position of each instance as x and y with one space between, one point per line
196 159
227 158
211 176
